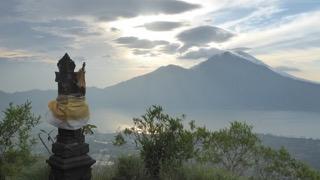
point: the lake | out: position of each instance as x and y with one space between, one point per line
282 123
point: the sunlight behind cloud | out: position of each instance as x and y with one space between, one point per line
90 31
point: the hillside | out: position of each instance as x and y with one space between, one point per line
225 81
230 80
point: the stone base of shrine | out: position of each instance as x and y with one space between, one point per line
70 160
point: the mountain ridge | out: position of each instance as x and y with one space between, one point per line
229 80
224 81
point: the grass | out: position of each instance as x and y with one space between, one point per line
132 168
37 171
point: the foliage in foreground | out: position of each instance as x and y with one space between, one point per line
15 138
125 167
132 168
238 150
39 170
162 140
168 150
232 148
279 164
165 145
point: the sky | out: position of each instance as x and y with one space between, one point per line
122 39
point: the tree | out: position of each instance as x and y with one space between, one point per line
279 164
231 148
239 150
15 138
162 140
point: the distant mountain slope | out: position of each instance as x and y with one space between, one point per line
39 99
227 80
230 80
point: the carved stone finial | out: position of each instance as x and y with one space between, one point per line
66 64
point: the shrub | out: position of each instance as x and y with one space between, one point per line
15 138
126 167
230 148
199 172
39 170
162 140
129 167
279 164
132 168
228 153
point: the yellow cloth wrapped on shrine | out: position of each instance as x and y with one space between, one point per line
69 108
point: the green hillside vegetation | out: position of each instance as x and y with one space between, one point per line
166 150
304 149
15 139
167 146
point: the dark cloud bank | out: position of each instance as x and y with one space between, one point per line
202 35
106 10
134 42
162 25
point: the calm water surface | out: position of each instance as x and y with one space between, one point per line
284 123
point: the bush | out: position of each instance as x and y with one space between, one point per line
15 138
162 140
37 171
232 148
238 150
132 168
129 167
126 167
199 172
106 172
165 144
278 165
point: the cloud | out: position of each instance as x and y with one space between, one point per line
17 55
73 31
162 25
134 42
287 69
22 35
113 29
201 53
240 49
7 9
202 35
11 54
280 33
144 52
107 10
170 48
145 67
291 32
293 56
140 52
256 18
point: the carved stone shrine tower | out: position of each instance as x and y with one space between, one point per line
69 160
